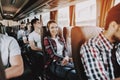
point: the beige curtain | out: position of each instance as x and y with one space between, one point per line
72 15
105 5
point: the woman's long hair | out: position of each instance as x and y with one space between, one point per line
48 31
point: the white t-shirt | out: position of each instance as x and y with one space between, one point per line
36 38
8 46
59 47
26 35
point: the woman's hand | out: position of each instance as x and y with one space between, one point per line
65 61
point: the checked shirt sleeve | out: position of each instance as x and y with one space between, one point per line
49 50
93 64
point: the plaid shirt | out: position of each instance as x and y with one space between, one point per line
49 50
96 58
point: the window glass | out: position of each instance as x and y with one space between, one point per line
116 2
45 18
63 17
86 13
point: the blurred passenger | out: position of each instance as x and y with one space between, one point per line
11 56
101 55
21 32
20 35
55 48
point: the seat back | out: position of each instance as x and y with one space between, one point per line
44 34
65 33
67 37
78 36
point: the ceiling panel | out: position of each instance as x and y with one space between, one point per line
18 9
10 8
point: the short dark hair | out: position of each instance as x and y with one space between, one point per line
113 15
33 21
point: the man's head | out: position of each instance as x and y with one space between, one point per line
22 26
113 23
36 23
113 15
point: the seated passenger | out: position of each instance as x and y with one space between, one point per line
101 55
36 48
11 56
35 36
56 51
21 32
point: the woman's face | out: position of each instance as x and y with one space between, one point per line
53 29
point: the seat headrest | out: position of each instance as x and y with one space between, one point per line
78 36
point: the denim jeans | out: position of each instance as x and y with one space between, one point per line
65 72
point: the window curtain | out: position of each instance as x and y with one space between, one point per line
53 15
72 15
105 5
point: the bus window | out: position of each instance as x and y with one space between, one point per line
116 2
45 18
86 13
63 17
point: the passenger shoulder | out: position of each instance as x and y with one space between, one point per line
91 42
8 37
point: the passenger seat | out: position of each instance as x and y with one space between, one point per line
79 35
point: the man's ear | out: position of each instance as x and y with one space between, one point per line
113 25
